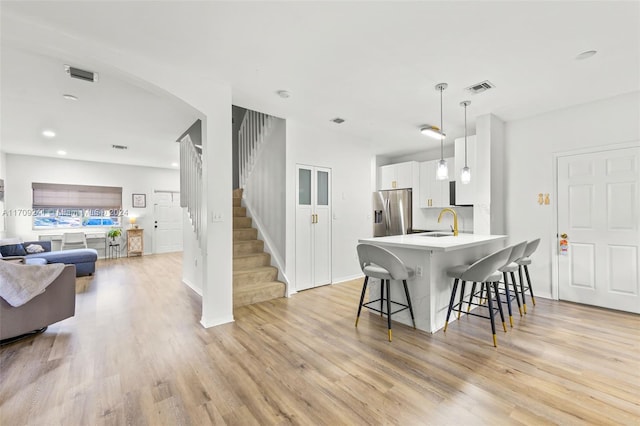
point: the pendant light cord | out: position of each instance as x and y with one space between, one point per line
465 135
441 127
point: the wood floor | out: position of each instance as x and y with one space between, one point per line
135 354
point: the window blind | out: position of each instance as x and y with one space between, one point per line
50 195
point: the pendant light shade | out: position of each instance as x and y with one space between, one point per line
442 172
465 173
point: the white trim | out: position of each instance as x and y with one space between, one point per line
215 321
346 278
192 286
555 268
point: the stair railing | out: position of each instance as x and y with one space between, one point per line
191 183
253 130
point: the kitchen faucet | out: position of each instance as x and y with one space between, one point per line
455 219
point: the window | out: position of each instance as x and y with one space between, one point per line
76 206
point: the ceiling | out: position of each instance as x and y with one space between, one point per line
375 64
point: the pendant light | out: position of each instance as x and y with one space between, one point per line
443 171
465 173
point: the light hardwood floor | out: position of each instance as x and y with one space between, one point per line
136 354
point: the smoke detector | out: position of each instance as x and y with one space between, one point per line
81 74
338 120
480 87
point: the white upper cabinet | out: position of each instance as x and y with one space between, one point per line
433 192
465 193
398 176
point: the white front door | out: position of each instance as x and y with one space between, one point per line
167 222
598 210
313 227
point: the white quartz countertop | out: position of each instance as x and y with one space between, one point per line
425 242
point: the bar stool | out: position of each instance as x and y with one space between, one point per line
525 261
517 251
484 271
377 262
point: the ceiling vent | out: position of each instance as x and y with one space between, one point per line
119 147
480 87
338 120
81 74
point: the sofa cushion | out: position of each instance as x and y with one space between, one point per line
12 250
68 256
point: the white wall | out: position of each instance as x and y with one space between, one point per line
191 255
264 192
351 191
23 170
530 147
3 168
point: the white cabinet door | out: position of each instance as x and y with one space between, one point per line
405 174
465 192
433 192
313 227
398 176
387 177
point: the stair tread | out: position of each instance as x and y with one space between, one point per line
239 256
254 269
261 284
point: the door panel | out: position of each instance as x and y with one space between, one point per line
598 207
322 229
304 211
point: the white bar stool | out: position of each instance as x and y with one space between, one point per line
377 262
484 271
525 261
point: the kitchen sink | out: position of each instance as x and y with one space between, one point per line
438 234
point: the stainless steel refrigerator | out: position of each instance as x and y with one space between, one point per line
392 212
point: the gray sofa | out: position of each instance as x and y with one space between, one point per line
58 302
83 259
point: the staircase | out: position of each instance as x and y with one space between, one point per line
254 279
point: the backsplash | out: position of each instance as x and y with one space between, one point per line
427 219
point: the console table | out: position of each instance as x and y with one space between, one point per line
135 242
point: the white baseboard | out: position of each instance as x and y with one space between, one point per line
212 322
189 284
347 278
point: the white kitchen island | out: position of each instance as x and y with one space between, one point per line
430 256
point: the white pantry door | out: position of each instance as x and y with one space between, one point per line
598 209
167 222
313 227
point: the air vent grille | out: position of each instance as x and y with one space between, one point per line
119 147
480 87
81 74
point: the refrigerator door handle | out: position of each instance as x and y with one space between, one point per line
387 215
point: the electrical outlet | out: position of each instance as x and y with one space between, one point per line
418 271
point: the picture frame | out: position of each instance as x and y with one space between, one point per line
139 200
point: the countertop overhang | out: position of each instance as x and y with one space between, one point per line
439 244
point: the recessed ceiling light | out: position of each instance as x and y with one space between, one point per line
48 133
61 152
283 94
70 97
175 165
586 55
